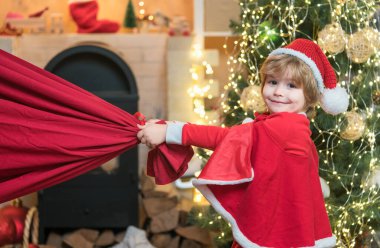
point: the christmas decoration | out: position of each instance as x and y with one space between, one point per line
7 231
84 13
141 10
374 178
355 126
33 23
376 97
251 99
179 25
6 29
359 47
373 36
39 13
268 32
130 17
332 38
203 85
17 214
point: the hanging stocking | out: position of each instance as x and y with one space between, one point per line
84 13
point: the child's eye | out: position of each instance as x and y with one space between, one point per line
292 85
273 82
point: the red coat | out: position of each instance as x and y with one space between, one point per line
263 179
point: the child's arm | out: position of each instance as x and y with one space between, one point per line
203 136
182 134
197 135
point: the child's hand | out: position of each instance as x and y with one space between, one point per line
152 134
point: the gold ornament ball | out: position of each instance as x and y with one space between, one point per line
332 38
376 97
360 47
355 126
251 99
373 36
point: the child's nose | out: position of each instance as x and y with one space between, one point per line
278 91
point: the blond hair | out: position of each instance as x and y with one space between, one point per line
299 72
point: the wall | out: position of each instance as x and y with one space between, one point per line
109 9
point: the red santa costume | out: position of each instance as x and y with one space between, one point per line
263 176
263 179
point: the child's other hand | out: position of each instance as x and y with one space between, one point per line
152 134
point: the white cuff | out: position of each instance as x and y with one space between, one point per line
174 132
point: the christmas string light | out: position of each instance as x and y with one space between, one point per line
141 9
202 81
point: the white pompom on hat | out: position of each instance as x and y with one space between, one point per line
334 99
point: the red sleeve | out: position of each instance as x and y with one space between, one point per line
203 136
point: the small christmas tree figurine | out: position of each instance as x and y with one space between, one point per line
130 17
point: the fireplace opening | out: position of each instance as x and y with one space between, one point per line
107 197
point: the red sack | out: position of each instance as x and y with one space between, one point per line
52 131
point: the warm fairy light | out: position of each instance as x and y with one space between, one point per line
141 10
201 86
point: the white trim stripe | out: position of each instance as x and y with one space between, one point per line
307 60
201 185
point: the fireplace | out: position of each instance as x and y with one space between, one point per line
160 65
107 197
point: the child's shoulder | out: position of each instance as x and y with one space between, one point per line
283 119
288 129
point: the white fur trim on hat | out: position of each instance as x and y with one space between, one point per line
307 60
334 101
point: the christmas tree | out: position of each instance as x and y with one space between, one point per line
130 17
347 144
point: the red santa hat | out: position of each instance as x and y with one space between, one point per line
334 99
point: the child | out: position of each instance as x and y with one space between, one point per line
263 175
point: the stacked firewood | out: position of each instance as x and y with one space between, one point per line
165 219
85 238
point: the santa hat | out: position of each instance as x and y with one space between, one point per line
334 99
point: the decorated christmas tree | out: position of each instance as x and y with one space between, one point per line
130 17
348 144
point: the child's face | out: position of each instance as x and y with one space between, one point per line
281 94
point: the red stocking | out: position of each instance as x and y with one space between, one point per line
84 13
